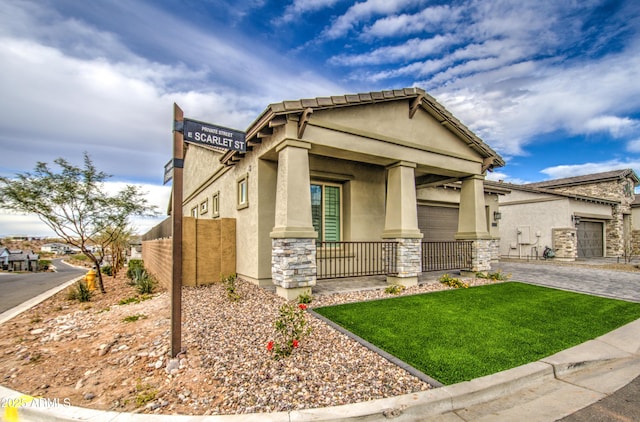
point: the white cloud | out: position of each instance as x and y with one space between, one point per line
429 19
361 12
410 50
298 8
559 172
634 145
616 126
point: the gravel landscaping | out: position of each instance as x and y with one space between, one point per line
328 368
111 354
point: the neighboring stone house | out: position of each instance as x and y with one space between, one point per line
635 226
579 217
362 170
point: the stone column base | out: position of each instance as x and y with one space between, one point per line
292 293
481 255
403 281
293 265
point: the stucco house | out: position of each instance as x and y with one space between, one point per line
369 177
579 217
18 260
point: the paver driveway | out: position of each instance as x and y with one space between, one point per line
578 278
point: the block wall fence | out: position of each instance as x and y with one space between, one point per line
208 252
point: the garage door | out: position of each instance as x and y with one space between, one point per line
437 224
590 242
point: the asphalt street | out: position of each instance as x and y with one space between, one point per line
16 288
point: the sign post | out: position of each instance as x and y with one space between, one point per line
176 238
195 132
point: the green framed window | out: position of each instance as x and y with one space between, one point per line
326 211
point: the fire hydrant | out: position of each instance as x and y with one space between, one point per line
91 279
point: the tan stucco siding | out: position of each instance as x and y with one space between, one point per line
363 194
391 120
449 196
535 216
199 165
540 214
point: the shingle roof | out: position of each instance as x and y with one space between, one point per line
587 178
426 102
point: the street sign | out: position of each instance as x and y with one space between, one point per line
207 134
168 169
168 172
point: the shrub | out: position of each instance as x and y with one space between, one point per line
394 289
498 275
145 283
453 282
44 264
305 298
107 270
231 287
132 266
80 292
134 318
291 327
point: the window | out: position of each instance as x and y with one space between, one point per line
243 191
326 212
194 212
215 205
204 207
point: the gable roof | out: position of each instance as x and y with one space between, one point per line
275 115
588 179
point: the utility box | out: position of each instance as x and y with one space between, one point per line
524 235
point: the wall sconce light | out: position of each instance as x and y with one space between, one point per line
575 219
497 215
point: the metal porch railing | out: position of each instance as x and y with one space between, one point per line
355 259
438 256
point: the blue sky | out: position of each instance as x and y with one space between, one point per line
553 86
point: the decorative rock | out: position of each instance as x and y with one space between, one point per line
89 396
172 365
36 331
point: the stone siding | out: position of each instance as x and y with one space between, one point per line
613 191
293 262
481 254
635 243
565 243
409 257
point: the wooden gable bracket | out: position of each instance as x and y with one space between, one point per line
278 121
304 119
415 105
487 163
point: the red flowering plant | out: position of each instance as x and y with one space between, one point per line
291 327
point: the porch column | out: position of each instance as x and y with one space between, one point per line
472 222
401 223
293 239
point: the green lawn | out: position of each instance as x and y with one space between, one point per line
458 335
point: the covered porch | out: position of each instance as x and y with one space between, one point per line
344 173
